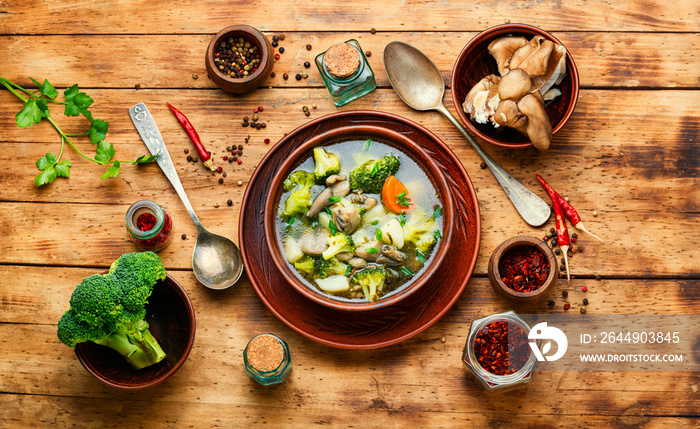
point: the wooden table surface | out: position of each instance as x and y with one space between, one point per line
629 153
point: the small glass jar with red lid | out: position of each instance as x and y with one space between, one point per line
149 225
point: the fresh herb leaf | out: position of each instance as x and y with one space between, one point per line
45 177
375 169
376 222
314 223
112 171
291 220
406 271
402 219
46 161
33 111
372 250
63 168
76 102
98 131
403 200
378 234
437 212
368 144
105 152
334 200
437 234
328 210
145 159
332 227
348 270
420 256
46 88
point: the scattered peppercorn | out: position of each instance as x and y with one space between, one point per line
255 117
308 47
277 56
221 180
298 76
307 113
236 58
552 230
187 151
551 303
549 234
368 54
273 74
598 277
235 158
304 75
137 86
574 235
219 169
258 126
240 161
584 288
313 106
216 205
585 301
579 248
229 202
224 174
285 76
372 31
281 49
567 306
240 147
483 166
195 159
234 151
195 76
184 236
443 339
557 252
230 160
307 64
263 125
240 183
275 38
564 293
573 240
189 158
282 36
274 44
244 124
583 310
267 141
569 253
595 213
304 108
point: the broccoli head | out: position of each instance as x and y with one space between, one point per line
372 282
426 242
326 165
110 310
299 178
340 242
306 265
298 202
328 267
418 224
371 175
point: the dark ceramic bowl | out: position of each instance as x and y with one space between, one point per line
171 320
475 62
252 81
524 297
357 132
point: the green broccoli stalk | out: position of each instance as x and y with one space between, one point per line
306 265
326 165
372 282
328 267
426 242
299 178
298 201
110 310
371 175
338 243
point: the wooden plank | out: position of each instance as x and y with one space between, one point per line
37 17
603 59
30 410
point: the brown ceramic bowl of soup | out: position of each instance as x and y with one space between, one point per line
427 226
475 62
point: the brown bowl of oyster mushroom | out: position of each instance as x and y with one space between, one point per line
330 231
515 86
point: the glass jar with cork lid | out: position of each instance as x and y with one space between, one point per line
267 359
346 72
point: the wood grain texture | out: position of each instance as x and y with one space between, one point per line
650 60
81 16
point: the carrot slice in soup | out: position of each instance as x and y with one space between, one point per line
395 196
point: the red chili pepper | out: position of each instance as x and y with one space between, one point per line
203 154
562 231
569 211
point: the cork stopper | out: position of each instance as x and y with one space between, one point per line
341 60
265 353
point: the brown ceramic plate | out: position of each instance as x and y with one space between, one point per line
171 320
370 329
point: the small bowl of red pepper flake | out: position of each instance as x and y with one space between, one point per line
523 269
239 59
497 352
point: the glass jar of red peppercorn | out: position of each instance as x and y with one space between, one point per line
498 352
149 225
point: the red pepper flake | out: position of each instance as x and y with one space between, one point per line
240 161
256 110
524 268
146 221
267 141
502 348
277 56
260 109
225 158
584 288
567 306
219 169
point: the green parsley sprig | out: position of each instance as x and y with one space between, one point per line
36 108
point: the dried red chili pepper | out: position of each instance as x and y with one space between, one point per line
524 268
145 222
502 348
192 133
569 210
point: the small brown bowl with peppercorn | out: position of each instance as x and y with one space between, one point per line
523 269
515 86
239 59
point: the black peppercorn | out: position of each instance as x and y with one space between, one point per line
368 54
224 174
184 236
281 36
264 125
307 64
187 151
189 157
552 230
585 301
273 74
308 47
598 277
574 235
372 31
298 76
483 166
240 147
235 158
274 44
557 252
281 49
275 38
230 160
229 202
221 180
285 76
551 303
564 293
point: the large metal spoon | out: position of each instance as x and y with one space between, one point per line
216 260
419 83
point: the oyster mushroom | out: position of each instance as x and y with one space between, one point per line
357 262
345 256
538 127
340 188
521 54
508 115
482 100
535 64
502 50
313 244
390 256
370 203
514 85
346 218
358 196
333 179
556 71
362 251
